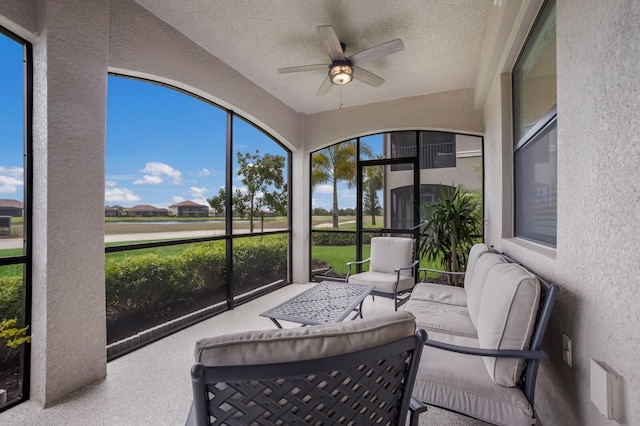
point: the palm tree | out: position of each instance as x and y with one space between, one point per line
372 183
336 163
452 227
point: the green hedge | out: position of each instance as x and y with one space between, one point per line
331 238
11 297
146 283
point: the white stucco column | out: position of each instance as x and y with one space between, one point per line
68 315
300 202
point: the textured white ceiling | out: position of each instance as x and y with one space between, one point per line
443 41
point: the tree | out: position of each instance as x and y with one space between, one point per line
264 186
334 164
453 224
372 183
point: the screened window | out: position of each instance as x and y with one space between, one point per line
535 136
15 274
191 190
368 186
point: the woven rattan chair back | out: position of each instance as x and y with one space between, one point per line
367 387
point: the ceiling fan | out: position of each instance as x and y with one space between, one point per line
343 69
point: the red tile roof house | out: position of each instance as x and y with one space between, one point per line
189 209
13 208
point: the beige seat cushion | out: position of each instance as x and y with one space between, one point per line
460 383
440 317
302 343
478 280
474 254
383 282
440 293
506 320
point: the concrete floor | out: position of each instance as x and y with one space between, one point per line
152 385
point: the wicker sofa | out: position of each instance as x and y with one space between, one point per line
483 351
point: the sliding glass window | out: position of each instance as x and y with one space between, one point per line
535 134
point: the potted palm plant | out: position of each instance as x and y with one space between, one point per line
452 225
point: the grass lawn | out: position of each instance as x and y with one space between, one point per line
338 256
11 270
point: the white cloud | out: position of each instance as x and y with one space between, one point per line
120 195
155 171
148 180
110 183
10 179
197 192
177 199
324 189
9 185
242 189
12 171
204 172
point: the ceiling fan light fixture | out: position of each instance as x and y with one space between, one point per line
341 73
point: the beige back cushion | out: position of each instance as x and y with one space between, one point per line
302 343
478 280
389 253
474 254
507 317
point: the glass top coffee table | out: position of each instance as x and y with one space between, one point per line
326 302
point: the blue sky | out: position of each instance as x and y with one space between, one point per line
11 122
162 146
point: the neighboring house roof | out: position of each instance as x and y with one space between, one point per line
11 203
188 204
145 208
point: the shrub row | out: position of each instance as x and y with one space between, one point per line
145 283
11 297
331 238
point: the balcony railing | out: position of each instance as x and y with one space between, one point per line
432 156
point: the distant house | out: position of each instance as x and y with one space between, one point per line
189 209
113 211
144 210
12 208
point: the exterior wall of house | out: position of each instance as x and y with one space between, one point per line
595 261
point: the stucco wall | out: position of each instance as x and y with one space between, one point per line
68 314
19 16
449 111
595 262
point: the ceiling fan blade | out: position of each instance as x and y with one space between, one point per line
331 42
302 68
367 77
324 87
378 51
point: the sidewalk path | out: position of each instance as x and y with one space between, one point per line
13 243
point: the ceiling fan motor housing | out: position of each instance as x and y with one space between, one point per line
341 72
